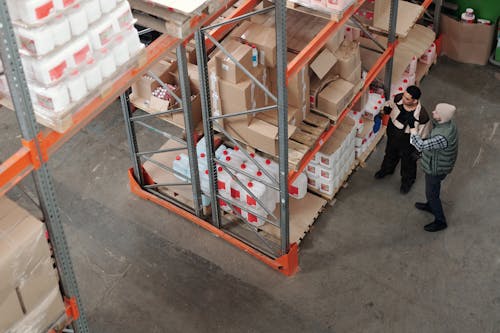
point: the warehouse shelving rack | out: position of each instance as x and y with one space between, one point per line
39 145
285 259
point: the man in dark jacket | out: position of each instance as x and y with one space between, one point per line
439 153
405 108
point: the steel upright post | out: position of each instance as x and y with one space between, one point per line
280 16
208 129
391 38
132 139
189 127
43 181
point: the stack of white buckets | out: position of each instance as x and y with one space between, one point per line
253 205
70 48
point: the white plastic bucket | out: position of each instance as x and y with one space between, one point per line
63 4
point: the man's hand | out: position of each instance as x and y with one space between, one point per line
387 109
413 130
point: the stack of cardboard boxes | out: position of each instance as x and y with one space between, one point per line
30 300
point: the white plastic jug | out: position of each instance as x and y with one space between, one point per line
122 17
93 10
63 4
131 37
36 41
181 167
253 219
78 51
274 195
298 189
76 85
120 50
412 67
101 33
93 76
429 55
61 30
223 182
107 5
260 191
219 151
50 68
202 161
237 191
77 18
106 62
34 11
54 98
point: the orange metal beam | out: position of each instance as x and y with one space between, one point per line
372 74
13 170
286 264
312 49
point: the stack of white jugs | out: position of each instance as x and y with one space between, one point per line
406 80
374 105
70 47
327 171
254 199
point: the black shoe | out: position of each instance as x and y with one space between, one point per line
405 188
435 226
380 174
423 206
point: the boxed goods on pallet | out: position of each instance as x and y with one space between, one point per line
69 50
260 37
331 97
30 300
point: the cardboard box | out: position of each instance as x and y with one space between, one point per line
196 116
335 41
271 116
333 148
466 42
263 38
323 63
238 97
10 310
146 85
348 59
334 98
226 69
355 76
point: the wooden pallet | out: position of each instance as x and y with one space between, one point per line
364 156
334 16
341 185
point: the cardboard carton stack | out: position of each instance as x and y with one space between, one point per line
332 164
30 300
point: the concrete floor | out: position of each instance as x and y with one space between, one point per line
366 266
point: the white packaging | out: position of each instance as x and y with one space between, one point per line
234 161
329 160
78 51
101 33
61 30
181 167
50 68
410 78
326 187
274 195
321 4
34 11
92 73
298 189
313 183
326 173
224 206
107 63
55 98
337 5
131 37
35 41
93 10
120 51
253 219
236 152
218 152
107 5
122 17
76 85
249 168
202 162
260 192
429 55
28 68
237 191
313 169
77 18
223 182
63 4
412 67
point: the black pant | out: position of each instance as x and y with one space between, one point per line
399 148
432 192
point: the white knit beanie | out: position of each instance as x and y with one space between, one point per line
445 111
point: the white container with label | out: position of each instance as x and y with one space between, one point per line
236 152
181 167
101 33
78 51
106 62
429 55
77 18
412 67
28 67
93 10
234 161
202 162
50 68
223 182
92 73
122 17
63 4
55 98
120 51
107 5
131 37
36 41
259 191
219 151
61 30
237 191
298 189
224 206
253 219
34 11
76 85
274 195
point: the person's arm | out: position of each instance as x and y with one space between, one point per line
435 142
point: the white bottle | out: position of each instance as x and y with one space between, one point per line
63 4
34 11
253 219
107 63
468 16
101 33
298 189
107 5
219 151
50 68
93 10
181 167
93 76
202 161
204 181
36 41
236 189
260 192
274 195
78 51
122 17
224 182
429 55
76 85
120 51
234 161
77 18
61 30
54 98
255 56
131 37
